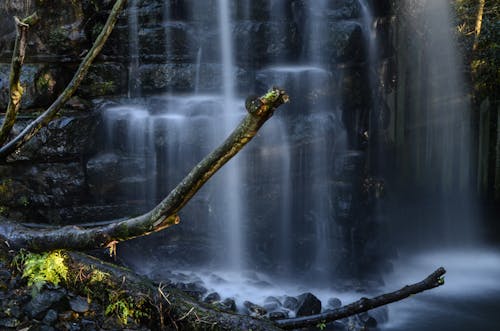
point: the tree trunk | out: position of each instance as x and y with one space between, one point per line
165 213
15 88
479 22
49 114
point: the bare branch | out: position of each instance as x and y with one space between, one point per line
15 88
165 213
52 111
364 304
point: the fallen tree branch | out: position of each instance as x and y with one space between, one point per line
15 88
48 115
364 304
165 213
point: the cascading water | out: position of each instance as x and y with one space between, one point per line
275 207
433 210
299 231
433 132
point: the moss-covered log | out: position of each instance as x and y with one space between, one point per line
165 213
48 115
15 88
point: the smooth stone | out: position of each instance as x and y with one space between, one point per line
308 305
79 304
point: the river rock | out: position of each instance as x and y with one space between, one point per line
79 304
334 303
228 304
278 315
50 317
272 303
194 289
9 322
43 301
308 305
290 303
212 297
254 310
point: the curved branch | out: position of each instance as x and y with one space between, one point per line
164 214
68 92
15 88
364 304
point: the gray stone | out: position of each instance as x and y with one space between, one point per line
308 305
9 322
254 310
194 289
43 301
290 303
79 304
272 304
278 315
67 137
212 297
227 304
50 317
334 303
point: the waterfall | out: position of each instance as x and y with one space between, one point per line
273 208
434 133
231 188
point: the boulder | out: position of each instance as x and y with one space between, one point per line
227 304
290 303
308 305
334 303
194 289
254 310
212 297
79 304
43 301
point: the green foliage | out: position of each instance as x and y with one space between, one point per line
484 62
124 307
40 269
98 276
321 325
